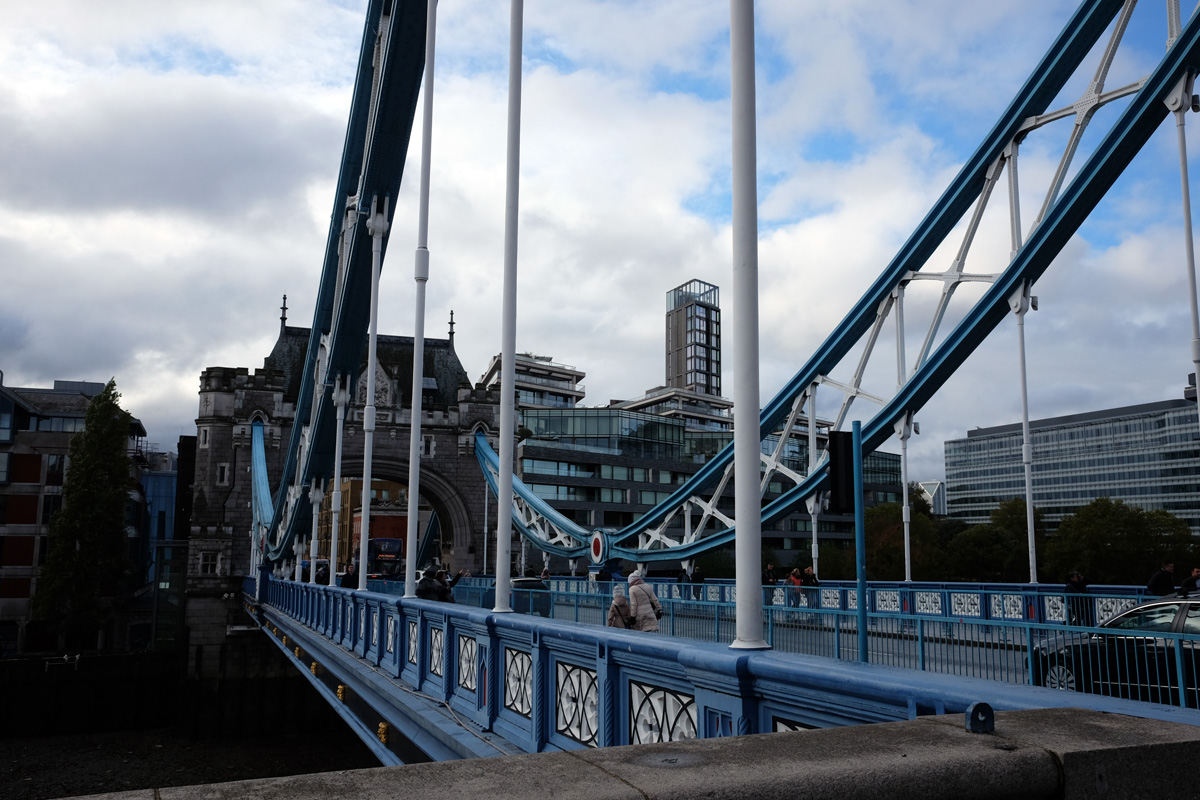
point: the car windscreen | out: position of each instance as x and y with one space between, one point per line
1154 618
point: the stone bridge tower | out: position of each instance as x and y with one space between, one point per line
232 399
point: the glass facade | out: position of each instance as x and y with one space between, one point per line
1147 456
693 355
611 431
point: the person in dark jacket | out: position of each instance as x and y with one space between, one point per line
808 579
1079 608
445 592
768 584
428 587
350 577
697 580
1162 583
1190 583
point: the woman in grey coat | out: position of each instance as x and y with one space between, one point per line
643 605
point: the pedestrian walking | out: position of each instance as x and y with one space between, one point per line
1079 607
1189 583
643 605
619 614
808 579
769 581
697 582
1162 583
794 581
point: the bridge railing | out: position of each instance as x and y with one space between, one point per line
951 629
553 683
1046 603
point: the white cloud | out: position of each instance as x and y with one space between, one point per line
169 172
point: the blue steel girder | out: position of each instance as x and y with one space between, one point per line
534 518
391 63
1124 140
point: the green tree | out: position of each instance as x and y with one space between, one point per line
836 560
996 551
1111 542
884 525
88 562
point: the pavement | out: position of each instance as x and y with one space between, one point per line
1053 753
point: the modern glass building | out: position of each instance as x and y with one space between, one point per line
1146 455
694 338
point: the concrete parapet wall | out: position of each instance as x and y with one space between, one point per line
1043 753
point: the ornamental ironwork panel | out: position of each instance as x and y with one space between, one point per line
1109 607
518 681
1008 606
391 634
928 602
362 624
830 598
374 628
467 657
436 656
966 604
412 641
660 715
1055 608
887 600
576 709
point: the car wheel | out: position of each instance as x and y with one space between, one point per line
1058 675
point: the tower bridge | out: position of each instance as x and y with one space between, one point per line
431 681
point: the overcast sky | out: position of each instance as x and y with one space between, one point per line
168 173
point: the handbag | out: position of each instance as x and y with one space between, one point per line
658 613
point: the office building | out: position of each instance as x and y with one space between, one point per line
540 382
1146 455
694 338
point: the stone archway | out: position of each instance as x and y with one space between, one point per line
447 501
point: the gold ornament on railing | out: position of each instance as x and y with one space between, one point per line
382 732
313 668
341 692
297 652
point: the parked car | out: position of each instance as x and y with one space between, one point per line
1128 655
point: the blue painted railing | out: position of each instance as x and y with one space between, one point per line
1010 602
547 684
950 629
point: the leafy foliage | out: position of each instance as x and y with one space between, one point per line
88 562
1107 540
1111 542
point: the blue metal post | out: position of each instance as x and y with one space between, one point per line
860 543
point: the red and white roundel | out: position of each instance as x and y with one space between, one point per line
598 547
